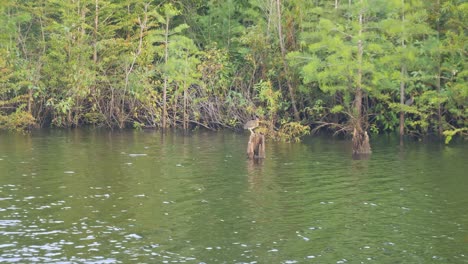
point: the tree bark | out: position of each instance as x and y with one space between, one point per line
96 24
285 64
30 100
402 101
361 143
166 57
440 129
402 82
439 108
256 146
185 116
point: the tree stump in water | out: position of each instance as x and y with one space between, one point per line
256 146
361 143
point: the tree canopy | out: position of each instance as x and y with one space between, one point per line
343 66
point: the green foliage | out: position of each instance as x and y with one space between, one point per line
292 132
449 134
18 121
94 118
138 125
216 70
337 109
269 97
105 63
385 120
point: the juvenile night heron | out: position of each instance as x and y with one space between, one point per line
251 125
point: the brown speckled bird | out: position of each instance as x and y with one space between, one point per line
251 125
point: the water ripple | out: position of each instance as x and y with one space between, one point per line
197 199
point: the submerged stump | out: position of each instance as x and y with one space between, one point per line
361 145
256 146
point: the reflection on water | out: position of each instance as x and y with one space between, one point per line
142 197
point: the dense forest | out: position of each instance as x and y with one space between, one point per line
355 67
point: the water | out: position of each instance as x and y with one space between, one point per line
84 196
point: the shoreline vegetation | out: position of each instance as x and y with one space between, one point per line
356 67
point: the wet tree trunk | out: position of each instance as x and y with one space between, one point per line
360 138
361 143
256 146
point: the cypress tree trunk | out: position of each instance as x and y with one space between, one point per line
402 101
360 138
30 100
440 129
439 108
166 57
285 64
402 83
96 24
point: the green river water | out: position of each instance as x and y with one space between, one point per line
91 196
